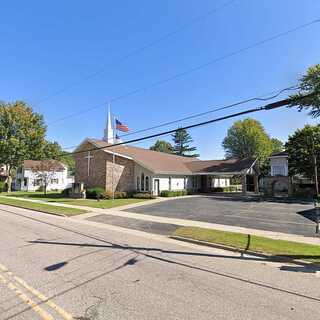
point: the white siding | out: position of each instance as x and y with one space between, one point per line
279 166
59 181
220 182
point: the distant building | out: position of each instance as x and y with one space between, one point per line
28 178
280 183
3 172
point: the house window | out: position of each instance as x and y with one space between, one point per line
278 171
25 182
138 183
54 181
169 183
37 182
184 183
142 181
147 183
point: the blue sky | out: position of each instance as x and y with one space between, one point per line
47 46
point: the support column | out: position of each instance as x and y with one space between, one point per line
256 183
244 183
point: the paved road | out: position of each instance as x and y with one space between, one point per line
53 267
237 211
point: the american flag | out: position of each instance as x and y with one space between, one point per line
121 127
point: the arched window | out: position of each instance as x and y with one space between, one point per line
138 183
147 183
142 181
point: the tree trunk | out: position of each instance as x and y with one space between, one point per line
9 178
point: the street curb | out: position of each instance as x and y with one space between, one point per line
53 214
270 257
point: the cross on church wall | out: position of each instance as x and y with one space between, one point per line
88 157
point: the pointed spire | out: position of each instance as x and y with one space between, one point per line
108 131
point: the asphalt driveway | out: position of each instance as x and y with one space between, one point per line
293 218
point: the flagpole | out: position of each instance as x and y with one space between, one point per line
113 157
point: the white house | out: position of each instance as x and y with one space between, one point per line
279 164
29 177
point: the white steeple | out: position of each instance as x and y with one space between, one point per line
109 130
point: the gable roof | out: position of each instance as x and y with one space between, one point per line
158 162
235 166
279 154
165 163
34 164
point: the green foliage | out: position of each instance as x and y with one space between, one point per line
66 192
53 150
22 134
172 193
277 145
247 139
96 193
2 186
309 84
143 195
162 146
225 189
301 147
182 140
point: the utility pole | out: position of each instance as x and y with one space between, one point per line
314 155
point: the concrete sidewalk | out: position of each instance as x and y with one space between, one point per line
178 222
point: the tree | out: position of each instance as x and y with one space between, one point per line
303 148
162 146
22 135
45 171
277 145
309 83
182 140
248 139
53 150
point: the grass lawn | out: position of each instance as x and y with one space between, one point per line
41 207
283 248
56 197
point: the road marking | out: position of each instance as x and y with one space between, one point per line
42 313
64 314
43 298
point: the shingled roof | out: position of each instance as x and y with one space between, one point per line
34 164
165 163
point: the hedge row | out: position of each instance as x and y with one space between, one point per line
99 193
225 189
171 193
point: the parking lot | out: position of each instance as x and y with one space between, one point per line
250 212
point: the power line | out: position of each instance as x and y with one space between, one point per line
274 93
270 106
189 71
214 110
140 49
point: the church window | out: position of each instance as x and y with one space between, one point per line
138 183
147 183
142 181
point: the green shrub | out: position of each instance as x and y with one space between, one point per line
66 192
2 186
96 193
225 189
172 193
117 195
143 195
217 189
41 189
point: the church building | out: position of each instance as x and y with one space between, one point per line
134 169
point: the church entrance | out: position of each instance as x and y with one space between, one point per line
156 189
